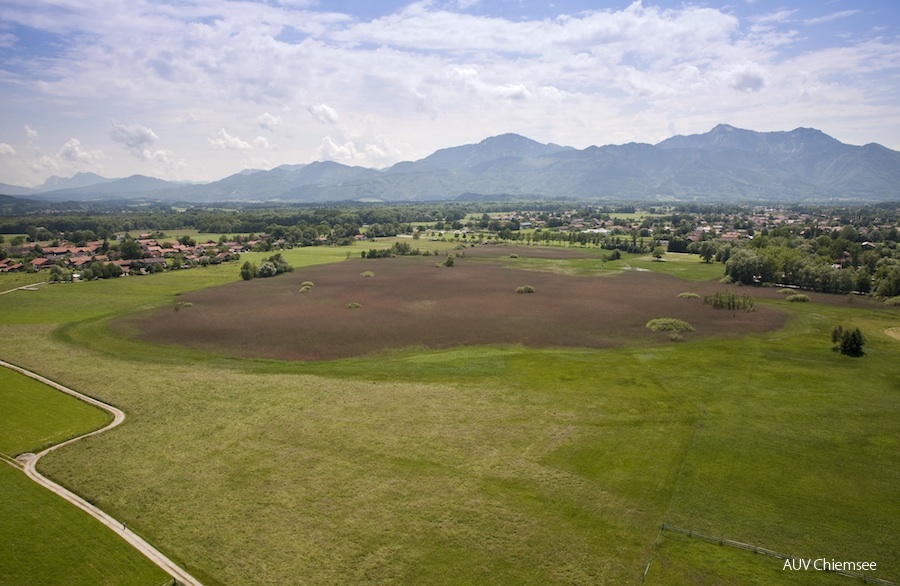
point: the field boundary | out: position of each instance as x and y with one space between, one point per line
763 551
29 462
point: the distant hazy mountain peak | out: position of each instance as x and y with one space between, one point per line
54 182
490 149
725 163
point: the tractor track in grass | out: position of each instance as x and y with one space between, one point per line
28 463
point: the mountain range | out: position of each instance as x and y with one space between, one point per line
724 164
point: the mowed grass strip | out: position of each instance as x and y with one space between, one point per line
48 541
35 416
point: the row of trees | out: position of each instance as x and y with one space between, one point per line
789 266
397 249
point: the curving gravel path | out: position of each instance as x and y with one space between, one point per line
29 461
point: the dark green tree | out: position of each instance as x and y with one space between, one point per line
849 342
707 251
248 271
131 250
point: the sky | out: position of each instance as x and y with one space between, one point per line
196 90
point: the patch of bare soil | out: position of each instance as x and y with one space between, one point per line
411 303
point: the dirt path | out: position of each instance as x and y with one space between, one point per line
22 287
29 461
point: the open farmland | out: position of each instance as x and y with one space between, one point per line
410 302
481 463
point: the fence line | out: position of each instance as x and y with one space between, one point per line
763 551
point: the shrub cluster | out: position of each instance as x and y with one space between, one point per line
798 298
849 342
730 300
669 324
398 249
306 286
353 305
688 296
525 289
100 270
274 265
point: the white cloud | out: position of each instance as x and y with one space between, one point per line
134 136
225 141
73 153
323 113
165 160
268 121
424 104
6 149
777 17
330 151
748 77
832 16
375 153
430 75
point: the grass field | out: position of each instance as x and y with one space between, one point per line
36 416
683 266
484 464
45 539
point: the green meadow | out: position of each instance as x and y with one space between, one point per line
499 464
45 539
36 416
683 266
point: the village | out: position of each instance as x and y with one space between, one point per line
125 256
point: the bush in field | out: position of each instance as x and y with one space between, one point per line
398 249
730 300
525 289
309 284
266 269
798 298
688 296
849 342
669 324
248 271
274 265
305 289
449 261
786 291
353 305
893 301
514 255
367 274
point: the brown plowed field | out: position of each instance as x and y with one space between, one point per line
410 302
